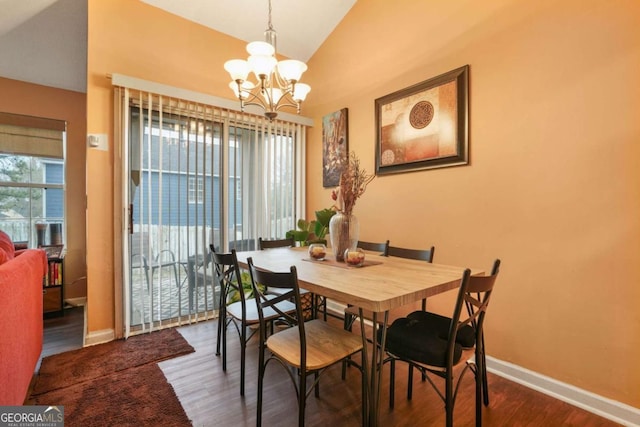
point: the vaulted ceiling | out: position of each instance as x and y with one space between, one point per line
45 41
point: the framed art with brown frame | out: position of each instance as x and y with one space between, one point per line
424 126
335 146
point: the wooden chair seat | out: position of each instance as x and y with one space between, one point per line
326 345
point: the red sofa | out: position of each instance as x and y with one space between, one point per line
21 274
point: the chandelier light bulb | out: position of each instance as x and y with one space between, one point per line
301 91
262 65
238 69
260 48
245 89
291 69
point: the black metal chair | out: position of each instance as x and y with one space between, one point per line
290 243
382 247
237 308
418 254
436 344
303 349
275 243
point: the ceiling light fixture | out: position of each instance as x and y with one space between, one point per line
278 81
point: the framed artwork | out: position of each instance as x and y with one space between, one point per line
424 126
335 146
53 251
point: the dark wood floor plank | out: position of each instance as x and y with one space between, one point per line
211 397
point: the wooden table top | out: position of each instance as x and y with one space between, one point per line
389 283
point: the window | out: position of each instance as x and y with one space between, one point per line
32 174
196 190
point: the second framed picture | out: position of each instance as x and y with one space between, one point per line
335 146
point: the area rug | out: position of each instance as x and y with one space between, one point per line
140 396
89 363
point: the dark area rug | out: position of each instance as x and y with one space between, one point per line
140 396
89 363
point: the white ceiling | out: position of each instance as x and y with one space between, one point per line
44 41
302 25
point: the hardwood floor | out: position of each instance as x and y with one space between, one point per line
211 397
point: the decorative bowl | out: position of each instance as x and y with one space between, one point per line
354 257
317 251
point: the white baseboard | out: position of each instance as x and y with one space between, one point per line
602 406
99 337
607 408
76 302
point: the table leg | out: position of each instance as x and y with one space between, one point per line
366 398
374 372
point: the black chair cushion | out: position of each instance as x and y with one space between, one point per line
466 336
419 341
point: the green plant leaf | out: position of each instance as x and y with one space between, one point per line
303 224
320 230
298 235
324 216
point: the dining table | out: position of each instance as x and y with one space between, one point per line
381 284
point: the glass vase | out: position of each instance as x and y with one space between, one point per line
344 231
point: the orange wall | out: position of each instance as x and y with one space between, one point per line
134 39
553 185
551 188
41 101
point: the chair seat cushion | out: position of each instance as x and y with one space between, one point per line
419 341
465 337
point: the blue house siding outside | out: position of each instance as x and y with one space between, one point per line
176 208
54 197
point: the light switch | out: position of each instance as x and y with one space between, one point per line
98 141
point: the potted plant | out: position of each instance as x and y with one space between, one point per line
234 296
314 231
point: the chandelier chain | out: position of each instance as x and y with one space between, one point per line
270 26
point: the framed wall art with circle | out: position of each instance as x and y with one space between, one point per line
424 126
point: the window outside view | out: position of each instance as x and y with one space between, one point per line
31 192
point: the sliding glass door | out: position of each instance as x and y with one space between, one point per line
197 177
175 213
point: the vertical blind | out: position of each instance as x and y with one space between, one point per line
200 174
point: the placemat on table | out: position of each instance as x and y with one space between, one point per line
332 262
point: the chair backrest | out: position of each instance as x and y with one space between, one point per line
228 276
275 243
419 254
383 248
476 285
474 294
287 283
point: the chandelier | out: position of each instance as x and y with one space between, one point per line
277 81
